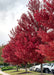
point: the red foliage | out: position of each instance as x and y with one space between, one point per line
47 50
26 45
33 5
9 55
27 41
24 42
49 5
30 38
45 18
46 37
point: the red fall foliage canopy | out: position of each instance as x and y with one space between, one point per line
30 41
45 18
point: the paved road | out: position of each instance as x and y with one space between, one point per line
1 72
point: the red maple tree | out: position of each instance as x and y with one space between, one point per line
30 38
8 53
25 39
45 18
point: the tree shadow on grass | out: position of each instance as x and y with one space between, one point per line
14 71
24 72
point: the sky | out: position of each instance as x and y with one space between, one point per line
10 11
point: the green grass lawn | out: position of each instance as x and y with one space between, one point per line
22 72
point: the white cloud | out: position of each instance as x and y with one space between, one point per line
10 11
9 15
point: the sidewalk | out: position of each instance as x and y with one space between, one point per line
1 72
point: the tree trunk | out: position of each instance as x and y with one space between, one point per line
34 64
26 68
41 69
17 68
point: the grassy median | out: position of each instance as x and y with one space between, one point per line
22 72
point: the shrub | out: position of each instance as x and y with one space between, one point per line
6 68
